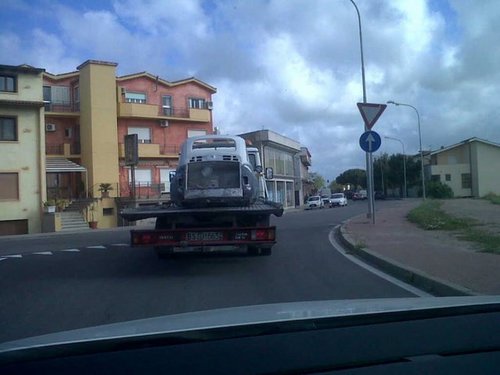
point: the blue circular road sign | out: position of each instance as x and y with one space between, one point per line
370 141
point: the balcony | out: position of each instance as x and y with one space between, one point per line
150 111
68 150
152 150
64 109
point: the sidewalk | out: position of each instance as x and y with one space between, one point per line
435 261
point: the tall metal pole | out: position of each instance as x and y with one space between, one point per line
404 163
420 144
368 156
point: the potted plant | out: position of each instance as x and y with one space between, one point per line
104 188
50 206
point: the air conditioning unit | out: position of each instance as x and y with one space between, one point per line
210 105
50 127
164 123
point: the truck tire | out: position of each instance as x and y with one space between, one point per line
164 252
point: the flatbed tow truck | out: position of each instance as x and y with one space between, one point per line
226 209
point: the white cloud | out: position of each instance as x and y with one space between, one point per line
293 66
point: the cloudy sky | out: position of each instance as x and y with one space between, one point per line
292 66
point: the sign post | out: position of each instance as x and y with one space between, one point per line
370 142
132 157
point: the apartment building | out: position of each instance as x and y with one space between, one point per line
163 114
63 135
22 167
469 167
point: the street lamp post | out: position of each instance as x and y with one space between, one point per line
420 143
368 156
404 163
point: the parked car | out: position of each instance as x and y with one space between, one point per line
360 195
338 199
314 202
326 201
379 195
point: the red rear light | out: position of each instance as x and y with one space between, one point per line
263 234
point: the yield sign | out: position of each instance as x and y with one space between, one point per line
371 112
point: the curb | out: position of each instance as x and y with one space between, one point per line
430 284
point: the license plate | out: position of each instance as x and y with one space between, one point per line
204 236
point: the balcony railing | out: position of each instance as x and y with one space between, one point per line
177 112
143 190
62 107
65 149
54 149
169 149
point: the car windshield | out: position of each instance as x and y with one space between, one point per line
370 126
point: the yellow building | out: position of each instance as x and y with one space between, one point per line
22 146
470 168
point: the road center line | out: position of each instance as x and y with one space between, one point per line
96 247
12 256
71 250
44 253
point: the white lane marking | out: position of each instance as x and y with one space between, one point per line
96 247
2 259
13 256
71 250
352 258
44 253
120 244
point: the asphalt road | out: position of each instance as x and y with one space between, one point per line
53 283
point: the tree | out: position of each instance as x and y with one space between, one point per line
318 181
335 187
356 177
388 172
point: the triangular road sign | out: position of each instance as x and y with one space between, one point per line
371 113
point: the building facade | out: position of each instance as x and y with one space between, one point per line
22 145
289 162
469 167
64 137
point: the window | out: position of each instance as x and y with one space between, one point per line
8 129
466 181
167 105
135 97
436 177
68 132
8 83
447 177
197 103
9 186
107 211
143 134
196 133
142 177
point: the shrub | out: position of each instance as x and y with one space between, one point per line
438 190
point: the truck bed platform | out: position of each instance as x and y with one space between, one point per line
258 208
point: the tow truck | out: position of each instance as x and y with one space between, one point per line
219 201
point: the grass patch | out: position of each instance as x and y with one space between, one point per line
360 245
493 198
430 216
490 243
